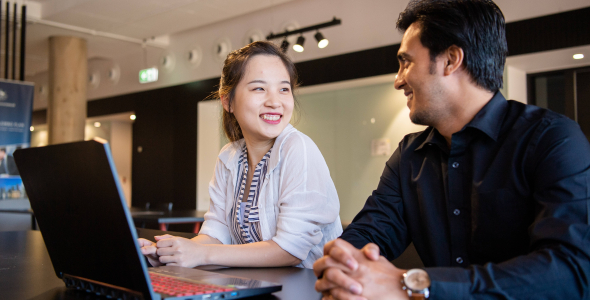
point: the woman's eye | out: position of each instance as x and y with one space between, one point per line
258 89
285 89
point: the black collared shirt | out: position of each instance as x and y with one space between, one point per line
504 213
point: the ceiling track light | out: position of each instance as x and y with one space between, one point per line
322 41
298 47
285 45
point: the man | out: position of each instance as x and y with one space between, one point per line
494 194
7 164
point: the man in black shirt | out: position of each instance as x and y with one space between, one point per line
494 194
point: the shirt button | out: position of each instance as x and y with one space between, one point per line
459 260
456 212
455 165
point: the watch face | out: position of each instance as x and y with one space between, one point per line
417 279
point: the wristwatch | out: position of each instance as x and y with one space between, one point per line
416 283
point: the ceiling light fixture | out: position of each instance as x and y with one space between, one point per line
578 56
285 45
322 41
96 124
298 47
132 117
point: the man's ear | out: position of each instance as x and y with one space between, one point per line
225 103
453 59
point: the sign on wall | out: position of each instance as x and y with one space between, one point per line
16 108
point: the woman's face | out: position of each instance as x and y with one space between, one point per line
263 100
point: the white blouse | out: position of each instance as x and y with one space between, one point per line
298 203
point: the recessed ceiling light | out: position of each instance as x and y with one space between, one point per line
132 117
578 56
96 124
32 128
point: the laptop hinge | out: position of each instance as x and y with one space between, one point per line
101 288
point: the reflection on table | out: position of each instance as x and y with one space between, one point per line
26 272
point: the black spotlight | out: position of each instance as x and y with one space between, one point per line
298 47
285 45
322 41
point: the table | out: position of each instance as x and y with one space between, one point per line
163 218
26 272
22 211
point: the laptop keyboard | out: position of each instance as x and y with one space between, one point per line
177 287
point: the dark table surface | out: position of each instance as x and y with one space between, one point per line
173 216
26 272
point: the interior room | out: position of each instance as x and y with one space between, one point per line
165 130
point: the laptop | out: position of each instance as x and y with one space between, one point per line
90 236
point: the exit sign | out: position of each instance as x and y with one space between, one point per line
148 75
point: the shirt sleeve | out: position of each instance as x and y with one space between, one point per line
381 219
307 197
215 224
558 266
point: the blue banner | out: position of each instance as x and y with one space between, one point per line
16 109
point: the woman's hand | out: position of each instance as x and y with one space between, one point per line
178 251
149 250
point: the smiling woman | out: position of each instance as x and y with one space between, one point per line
273 202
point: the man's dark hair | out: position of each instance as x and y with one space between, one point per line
476 26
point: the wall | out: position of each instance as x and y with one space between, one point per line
121 139
343 123
208 146
365 25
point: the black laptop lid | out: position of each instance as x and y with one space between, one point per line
75 193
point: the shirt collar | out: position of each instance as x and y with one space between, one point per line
489 119
230 154
433 138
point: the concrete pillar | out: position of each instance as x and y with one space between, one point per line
68 77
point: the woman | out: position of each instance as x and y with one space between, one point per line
273 202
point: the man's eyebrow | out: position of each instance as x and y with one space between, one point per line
402 55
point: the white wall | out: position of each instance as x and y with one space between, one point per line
121 148
208 146
365 24
516 84
343 123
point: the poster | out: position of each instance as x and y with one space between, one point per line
16 108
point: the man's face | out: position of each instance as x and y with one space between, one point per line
421 81
2 154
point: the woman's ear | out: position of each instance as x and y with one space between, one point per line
225 103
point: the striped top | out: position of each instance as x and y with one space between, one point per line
245 222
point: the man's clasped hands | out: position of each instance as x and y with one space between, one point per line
345 273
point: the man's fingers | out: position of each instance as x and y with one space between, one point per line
165 251
324 286
342 294
339 279
326 262
342 256
371 251
328 246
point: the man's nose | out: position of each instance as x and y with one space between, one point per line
399 81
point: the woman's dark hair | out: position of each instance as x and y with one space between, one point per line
234 68
476 26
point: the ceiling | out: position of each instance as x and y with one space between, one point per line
131 20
